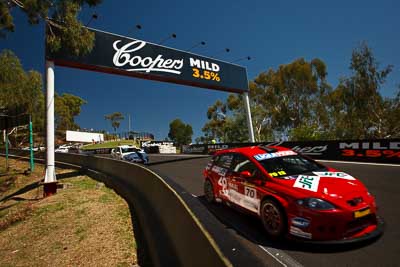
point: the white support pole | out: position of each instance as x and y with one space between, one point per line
248 117
129 125
50 165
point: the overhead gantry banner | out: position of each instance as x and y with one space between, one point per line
117 54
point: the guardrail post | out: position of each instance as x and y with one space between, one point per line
32 163
6 139
50 181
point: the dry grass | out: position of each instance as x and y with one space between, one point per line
85 224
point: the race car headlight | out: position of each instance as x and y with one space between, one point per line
315 203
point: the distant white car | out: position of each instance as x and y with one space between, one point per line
42 148
138 157
63 149
121 151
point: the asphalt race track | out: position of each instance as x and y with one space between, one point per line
243 241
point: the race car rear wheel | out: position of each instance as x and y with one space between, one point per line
273 218
209 191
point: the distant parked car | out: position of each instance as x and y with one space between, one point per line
120 151
42 148
138 157
63 149
129 153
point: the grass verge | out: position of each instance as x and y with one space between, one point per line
110 144
85 223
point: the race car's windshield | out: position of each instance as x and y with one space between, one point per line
128 149
290 165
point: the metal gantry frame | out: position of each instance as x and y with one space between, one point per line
248 117
50 181
50 186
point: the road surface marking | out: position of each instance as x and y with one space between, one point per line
281 257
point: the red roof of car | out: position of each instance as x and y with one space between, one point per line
251 151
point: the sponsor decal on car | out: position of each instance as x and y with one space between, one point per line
260 157
233 186
220 171
298 232
224 184
248 200
307 182
341 175
274 174
235 196
250 192
208 167
300 222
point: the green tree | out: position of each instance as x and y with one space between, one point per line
61 17
115 119
281 101
214 128
297 102
67 107
295 92
21 89
390 120
226 121
180 133
357 108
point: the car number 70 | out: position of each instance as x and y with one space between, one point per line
250 192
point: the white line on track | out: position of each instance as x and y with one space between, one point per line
272 255
281 257
361 163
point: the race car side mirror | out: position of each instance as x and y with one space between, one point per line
258 182
245 175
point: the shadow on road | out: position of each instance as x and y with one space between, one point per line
169 159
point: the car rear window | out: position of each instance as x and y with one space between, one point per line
128 149
224 161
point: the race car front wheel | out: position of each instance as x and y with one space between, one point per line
273 218
209 191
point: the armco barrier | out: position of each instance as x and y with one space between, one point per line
378 150
173 235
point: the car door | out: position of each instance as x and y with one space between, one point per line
243 189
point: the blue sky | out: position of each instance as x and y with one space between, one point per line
271 32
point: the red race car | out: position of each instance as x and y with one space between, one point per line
293 195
